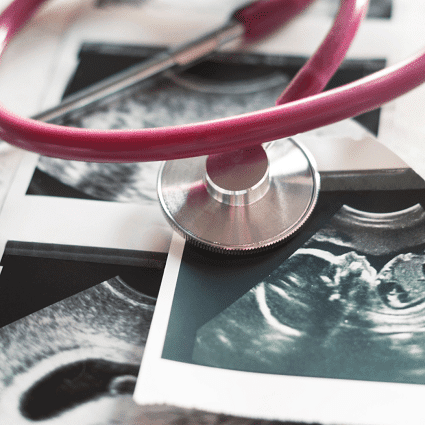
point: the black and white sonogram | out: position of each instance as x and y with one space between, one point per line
223 86
165 102
77 360
73 328
350 303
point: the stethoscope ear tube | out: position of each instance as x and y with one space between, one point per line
220 201
219 135
238 132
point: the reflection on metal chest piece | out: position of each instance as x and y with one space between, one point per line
243 201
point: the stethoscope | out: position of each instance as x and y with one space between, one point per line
234 185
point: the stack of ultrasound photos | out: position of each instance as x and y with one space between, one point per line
75 319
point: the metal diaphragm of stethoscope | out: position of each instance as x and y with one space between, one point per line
233 185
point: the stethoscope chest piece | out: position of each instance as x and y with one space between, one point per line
243 201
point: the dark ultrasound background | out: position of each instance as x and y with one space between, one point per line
344 299
349 304
219 87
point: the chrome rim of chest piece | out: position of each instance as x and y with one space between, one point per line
240 202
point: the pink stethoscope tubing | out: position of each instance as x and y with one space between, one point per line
295 116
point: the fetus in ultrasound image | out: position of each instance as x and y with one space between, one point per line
76 361
348 304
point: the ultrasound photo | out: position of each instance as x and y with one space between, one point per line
342 299
222 86
349 304
72 337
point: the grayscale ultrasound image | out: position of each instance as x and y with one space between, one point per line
223 86
75 361
165 102
348 304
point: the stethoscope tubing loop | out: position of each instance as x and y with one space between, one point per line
207 137
203 138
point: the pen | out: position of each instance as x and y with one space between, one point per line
247 24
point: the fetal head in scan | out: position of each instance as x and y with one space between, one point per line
348 304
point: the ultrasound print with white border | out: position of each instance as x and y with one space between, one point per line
344 299
326 328
222 86
74 323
